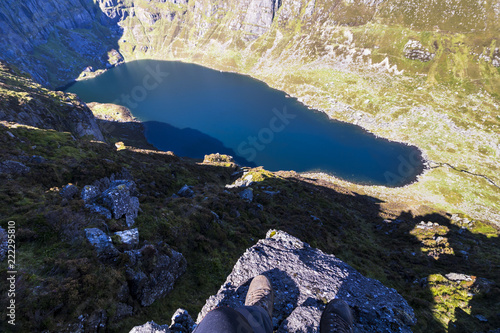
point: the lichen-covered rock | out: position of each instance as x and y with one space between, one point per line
4 244
99 210
128 238
89 193
151 327
13 168
304 279
182 322
112 197
153 271
416 51
119 200
101 242
69 191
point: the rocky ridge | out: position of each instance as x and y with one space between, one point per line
304 279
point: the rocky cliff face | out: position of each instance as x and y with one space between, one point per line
50 39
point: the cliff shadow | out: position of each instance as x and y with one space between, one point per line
187 142
450 269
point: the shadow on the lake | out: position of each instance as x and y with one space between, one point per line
187 142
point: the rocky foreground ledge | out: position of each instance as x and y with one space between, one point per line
304 280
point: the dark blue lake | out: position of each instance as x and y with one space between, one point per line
192 111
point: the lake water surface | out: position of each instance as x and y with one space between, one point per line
193 111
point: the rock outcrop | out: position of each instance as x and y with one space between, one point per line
153 271
414 50
113 198
304 279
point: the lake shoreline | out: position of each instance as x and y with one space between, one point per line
423 161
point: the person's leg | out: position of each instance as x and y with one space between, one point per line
257 318
224 320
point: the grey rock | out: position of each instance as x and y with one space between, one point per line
243 182
415 50
13 168
481 318
129 238
117 198
304 279
99 210
101 242
4 243
123 310
36 159
182 322
151 327
132 212
458 277
153 271
495 60
247 194
89 193
186 192
69 191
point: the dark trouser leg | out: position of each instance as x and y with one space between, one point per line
248 319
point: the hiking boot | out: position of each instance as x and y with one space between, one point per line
336 318
260 293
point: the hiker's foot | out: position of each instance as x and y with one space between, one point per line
336 318
260 293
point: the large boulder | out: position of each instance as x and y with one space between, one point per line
119 200
304 280
153 271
